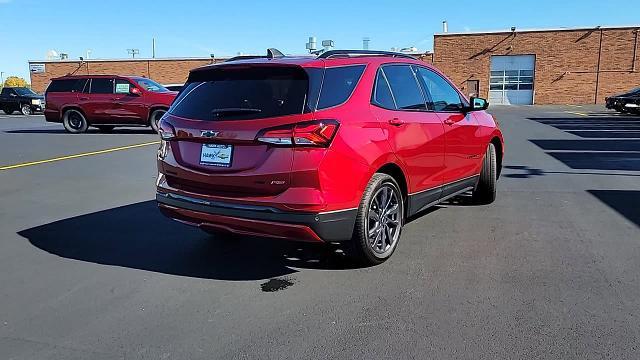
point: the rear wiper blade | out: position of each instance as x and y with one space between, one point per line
227 111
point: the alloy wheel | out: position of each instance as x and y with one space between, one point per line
384 219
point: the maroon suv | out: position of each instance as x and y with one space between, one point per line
106 101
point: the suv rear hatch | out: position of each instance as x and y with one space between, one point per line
232 128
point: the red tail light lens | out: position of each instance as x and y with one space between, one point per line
312 133
166 131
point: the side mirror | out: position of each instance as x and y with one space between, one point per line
12 94
135 91
478 104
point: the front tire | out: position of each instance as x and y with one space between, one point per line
74 121
155 117
25 109
379 220
485 191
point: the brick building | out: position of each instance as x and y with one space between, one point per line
562 66
555 66
165 71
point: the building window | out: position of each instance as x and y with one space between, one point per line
511 80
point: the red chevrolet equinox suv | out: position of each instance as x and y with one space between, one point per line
338 148
105 101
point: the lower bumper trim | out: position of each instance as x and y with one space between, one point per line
259 220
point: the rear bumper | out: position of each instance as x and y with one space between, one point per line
52 115
267 221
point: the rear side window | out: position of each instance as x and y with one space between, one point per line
102 86
338 85
61 85
404 87
240 93
382 94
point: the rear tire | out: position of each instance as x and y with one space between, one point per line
105 128
25 109
485 191
154 118
379 221
74 121
7 110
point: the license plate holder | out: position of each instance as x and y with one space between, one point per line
216 155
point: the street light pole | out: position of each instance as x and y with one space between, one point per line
1 78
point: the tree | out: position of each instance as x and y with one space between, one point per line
14 81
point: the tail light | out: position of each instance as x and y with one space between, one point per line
166 130
318 133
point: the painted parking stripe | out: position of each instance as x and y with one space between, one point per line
68 157
576 113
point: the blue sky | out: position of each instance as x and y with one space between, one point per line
197 28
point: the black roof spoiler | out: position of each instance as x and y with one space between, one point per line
350 53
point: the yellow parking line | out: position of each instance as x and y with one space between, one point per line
576 113
91 153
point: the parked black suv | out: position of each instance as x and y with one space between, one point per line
20 99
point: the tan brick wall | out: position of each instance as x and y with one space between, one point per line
165 71
566 61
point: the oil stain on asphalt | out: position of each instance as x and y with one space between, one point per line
276 284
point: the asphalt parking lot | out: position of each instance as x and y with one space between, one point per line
90 269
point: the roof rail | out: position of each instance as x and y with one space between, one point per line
272 53
349 53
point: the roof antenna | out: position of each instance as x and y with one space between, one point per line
274 53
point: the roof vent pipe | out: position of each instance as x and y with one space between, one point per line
445 26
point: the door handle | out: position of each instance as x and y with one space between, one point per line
396 122
84 98
449 122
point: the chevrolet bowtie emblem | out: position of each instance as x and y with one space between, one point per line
209 133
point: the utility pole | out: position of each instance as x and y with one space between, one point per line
153 48
1 78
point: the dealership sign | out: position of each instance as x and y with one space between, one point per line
36 68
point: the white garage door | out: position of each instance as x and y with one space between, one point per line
511 81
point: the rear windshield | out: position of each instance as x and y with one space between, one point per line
243 93
237 93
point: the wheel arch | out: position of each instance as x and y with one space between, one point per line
73 107
398 175
155 107
497 143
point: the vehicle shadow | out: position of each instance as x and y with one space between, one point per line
137 236
116 131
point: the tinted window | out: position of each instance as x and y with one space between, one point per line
315 83
381 92
338 84
62 85
24 91
101 86
404 87
67 85
228 93
6 91
81 85
151 85
443 96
